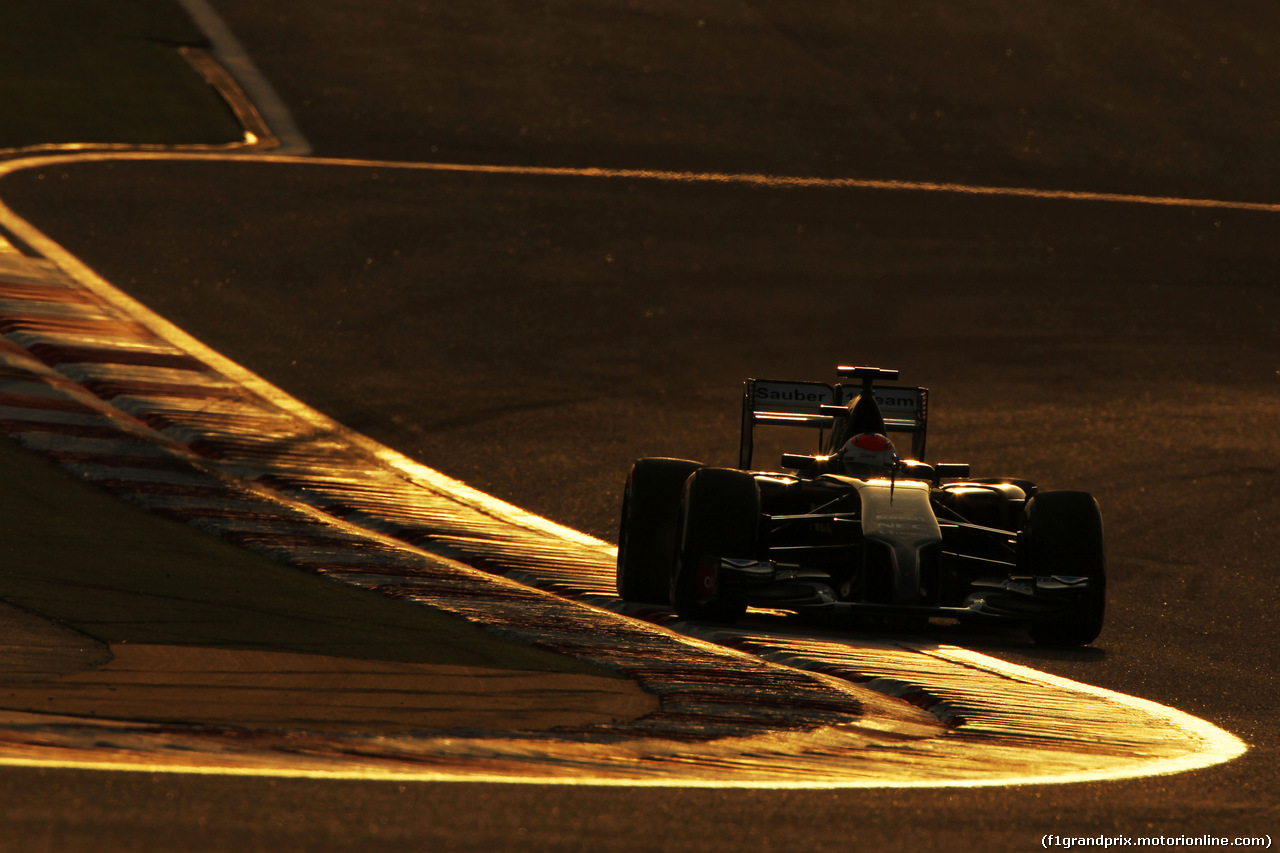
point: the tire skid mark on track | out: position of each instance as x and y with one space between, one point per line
148 418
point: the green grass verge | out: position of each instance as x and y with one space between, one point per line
111 570
105 71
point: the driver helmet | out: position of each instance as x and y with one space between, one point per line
868 455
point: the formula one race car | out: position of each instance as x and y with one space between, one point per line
859 529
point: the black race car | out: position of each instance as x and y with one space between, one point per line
861 528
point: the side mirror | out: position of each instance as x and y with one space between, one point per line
953 471
800 462
913 469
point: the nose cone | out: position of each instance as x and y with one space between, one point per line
900 516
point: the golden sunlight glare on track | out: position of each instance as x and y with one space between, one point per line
952 717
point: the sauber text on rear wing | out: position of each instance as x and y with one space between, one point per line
772 402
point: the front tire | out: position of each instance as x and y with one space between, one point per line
647 532
720 517
1062 536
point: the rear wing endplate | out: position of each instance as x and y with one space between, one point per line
772 402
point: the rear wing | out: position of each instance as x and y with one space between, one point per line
816 405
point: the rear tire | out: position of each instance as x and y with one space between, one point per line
647 532
1062 535
720 517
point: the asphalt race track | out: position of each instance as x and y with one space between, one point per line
532 332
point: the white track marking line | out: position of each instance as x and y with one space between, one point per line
661 175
